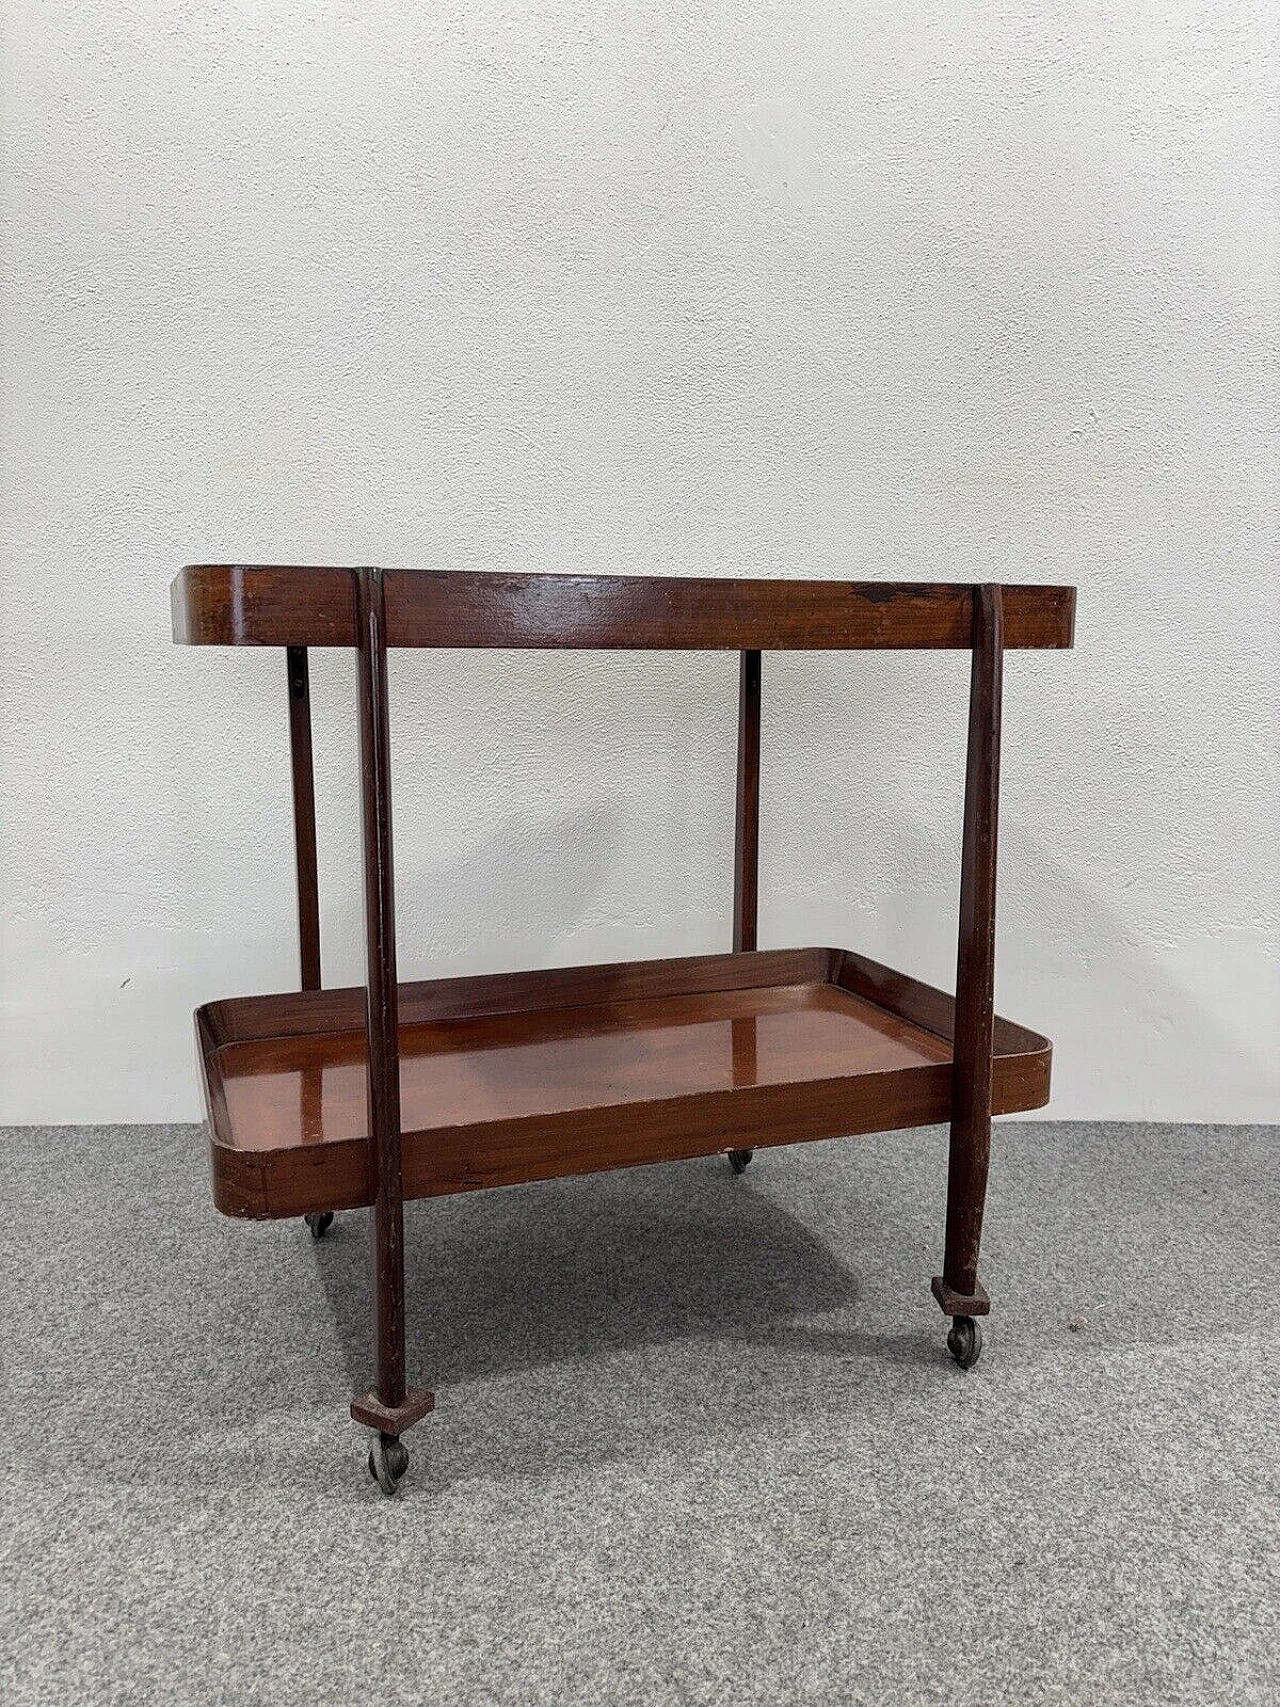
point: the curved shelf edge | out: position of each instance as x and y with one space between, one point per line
508 1078
221 604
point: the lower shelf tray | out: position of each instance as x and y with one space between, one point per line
536 1075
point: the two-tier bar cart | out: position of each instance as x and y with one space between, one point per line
328 1099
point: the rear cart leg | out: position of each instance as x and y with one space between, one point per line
304 841
738 1160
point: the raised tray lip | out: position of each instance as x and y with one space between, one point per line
471 995
475 995
254 1183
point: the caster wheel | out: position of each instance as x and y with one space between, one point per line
738 1160
388 1461
964 1342
320 1223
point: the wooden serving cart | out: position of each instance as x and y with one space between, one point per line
321 1100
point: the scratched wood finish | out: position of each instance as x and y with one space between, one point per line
536 1075
253 605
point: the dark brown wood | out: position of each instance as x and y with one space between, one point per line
746 841
975 1302
535 1075
245 1018
382 1031
320 1100
252 605
304 816
970 1150
368 1408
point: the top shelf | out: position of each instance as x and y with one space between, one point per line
233 604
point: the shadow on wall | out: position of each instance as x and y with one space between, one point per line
475 907
1055 936
531 884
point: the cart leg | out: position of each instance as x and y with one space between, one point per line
957 1288
392 1406
304 848
746 857
746 837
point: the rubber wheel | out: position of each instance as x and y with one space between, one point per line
320 1223
964 1342
388 1461
738 1160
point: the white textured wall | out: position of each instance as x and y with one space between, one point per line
966 291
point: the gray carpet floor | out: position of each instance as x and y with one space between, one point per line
697 1437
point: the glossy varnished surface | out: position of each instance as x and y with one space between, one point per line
534 1075
227 604
467 1072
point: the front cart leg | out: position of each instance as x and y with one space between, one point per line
392 1406
957 1288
